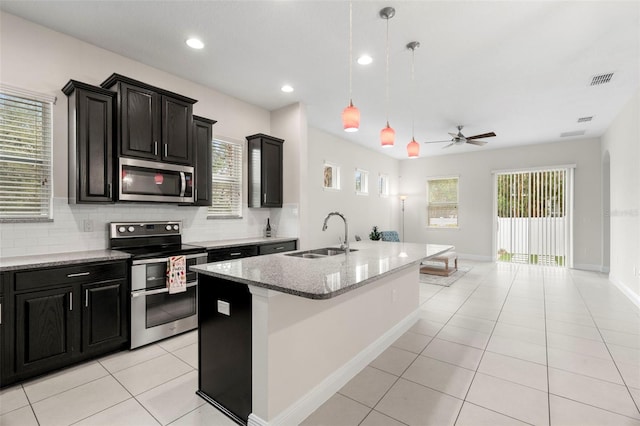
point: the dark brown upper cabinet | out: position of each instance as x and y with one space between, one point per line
202 137
153 124
265 171
91 112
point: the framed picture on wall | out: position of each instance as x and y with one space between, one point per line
331 176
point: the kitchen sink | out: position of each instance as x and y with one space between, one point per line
319 253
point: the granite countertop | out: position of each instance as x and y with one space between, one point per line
326 277
214 244
59 259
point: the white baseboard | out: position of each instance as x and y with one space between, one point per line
303 407
635 298
588 267
475 257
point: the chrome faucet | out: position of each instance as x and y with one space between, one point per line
345 245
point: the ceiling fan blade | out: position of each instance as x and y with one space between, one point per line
447 146
453 134
448 140
479 143
484 135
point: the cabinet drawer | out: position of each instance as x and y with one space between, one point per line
34 279
277 247
232 253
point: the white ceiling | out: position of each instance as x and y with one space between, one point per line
519 68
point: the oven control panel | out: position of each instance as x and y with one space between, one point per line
144 229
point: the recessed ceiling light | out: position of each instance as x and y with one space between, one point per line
194 43
286 88
365 60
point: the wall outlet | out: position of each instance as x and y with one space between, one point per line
87 225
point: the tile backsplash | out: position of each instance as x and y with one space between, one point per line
82 227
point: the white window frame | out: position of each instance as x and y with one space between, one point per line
334 184
235 181
363 177
40 156
443 225
383 185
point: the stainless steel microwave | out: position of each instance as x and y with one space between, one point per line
142 180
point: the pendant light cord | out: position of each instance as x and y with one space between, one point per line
350 47
387 76
413 85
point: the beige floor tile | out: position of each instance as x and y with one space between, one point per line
173 399
127 413
426 327
337 411
440 376
566 412
521 402
524 334
518 349
515 318
453 353
205 415
63 380
188 354
635 394
464 336
80 402
515 370
583 364
20 417
412 342
149 374
394 360
575 330
622 339
375 418
12 398
630 373
624 354
601 394
477 324
180 341
125 359
579 345
473 415
368 386
434 314
414 404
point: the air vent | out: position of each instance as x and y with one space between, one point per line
574 133
601 79
585 119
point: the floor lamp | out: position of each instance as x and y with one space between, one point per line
402 198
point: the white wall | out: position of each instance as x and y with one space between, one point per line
622 143
42 60
362 212
475 234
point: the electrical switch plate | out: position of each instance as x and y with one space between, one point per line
224 308
88 225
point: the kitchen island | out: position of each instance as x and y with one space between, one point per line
279 334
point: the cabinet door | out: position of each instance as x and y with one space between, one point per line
230 253
271 173
103 307
44 334
94 121
176 131
202 135
140 122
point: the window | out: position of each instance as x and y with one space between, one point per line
226 180
331 176
25 155
442 202
362 182
383 185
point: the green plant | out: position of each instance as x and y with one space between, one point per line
374 235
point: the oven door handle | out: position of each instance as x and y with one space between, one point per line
166 259
140 293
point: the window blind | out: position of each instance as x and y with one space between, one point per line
25 155
226 180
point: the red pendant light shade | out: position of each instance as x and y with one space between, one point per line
387 136
413 149
351 118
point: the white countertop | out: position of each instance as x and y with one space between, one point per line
59 259
214 244
325 277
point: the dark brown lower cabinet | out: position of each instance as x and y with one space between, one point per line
60 316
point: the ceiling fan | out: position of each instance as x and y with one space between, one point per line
460 139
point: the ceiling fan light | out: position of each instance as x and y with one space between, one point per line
351 118
387 137
413 149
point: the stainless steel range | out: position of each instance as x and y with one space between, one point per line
156 314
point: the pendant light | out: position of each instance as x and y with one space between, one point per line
387 135
351 114
413 147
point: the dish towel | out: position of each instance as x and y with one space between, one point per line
177 274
